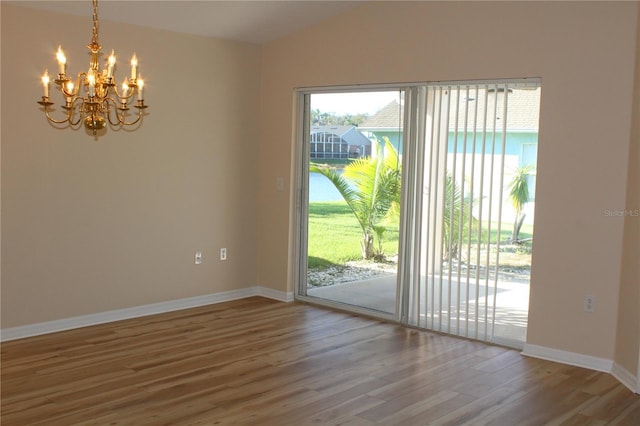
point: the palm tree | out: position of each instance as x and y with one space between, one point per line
371 187
453 203
519 196
455 208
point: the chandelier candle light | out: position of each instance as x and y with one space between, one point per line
95 95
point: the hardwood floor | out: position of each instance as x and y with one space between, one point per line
258 361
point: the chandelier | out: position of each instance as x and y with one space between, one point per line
94 97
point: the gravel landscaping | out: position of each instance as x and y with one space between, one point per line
515 267
351 271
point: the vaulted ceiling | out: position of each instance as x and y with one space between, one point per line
250 21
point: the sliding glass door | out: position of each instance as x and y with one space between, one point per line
449 249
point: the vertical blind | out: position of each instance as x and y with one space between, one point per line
460 193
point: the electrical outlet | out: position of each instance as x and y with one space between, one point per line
198 259
589 303
223 254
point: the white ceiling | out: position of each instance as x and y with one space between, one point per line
251 21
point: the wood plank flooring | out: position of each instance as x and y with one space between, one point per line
258 361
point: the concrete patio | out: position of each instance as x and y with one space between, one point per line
379 294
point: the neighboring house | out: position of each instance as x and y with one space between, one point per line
338 142
521 142
522 125
387 122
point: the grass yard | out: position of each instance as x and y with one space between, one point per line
334 235
526 232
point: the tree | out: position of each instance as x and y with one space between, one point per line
319 118
453 203
519 196
455 209
371 188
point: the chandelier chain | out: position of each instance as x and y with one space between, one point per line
94 38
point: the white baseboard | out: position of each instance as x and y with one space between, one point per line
626 378
571 358
274 294
139 311
593 363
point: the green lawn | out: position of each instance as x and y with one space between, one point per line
505 232
334 235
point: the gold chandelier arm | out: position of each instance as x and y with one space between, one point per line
77 86
130 91
134 121
72 111
120 117
138 118
115 111
53 120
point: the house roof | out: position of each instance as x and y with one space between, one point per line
523 106
389 117
349 134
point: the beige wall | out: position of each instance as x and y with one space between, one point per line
628 338
95 225
584 53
